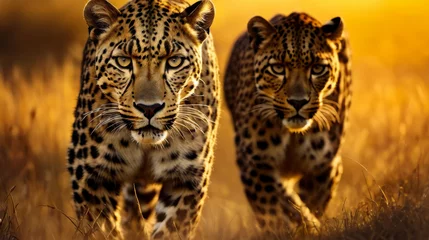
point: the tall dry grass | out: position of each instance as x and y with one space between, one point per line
383 194
36 121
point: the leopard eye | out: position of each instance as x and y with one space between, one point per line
175 62
277 69
318 69
123 62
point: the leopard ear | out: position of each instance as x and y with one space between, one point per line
200 16
334 28
260 31
99 15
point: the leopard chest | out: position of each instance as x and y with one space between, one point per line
307 153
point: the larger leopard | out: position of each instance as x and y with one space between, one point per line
287 86
146 117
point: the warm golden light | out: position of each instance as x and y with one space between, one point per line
386 143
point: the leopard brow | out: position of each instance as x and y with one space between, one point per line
274 61
124 49
319 60
323 61
168 50
167 47
129 46
170 47
119 50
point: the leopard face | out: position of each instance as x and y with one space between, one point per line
147 66
296 67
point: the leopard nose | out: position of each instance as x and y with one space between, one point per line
297 104
149 110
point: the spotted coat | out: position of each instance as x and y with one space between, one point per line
146 118
287 86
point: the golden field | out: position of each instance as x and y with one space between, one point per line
384 190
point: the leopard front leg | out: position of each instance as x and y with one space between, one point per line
317 189
185 177
318 152
179 208
96 192
275 206
140 199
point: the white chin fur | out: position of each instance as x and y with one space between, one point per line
297 125
144 137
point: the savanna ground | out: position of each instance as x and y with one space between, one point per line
384 190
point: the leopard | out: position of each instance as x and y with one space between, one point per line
287 87
146 119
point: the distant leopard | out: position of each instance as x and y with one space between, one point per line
146 117
287 86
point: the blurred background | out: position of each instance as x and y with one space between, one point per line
385 154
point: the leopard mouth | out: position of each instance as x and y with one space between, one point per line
149 128
297 118
149 135
297 123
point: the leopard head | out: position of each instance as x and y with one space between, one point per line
296 68
148 60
